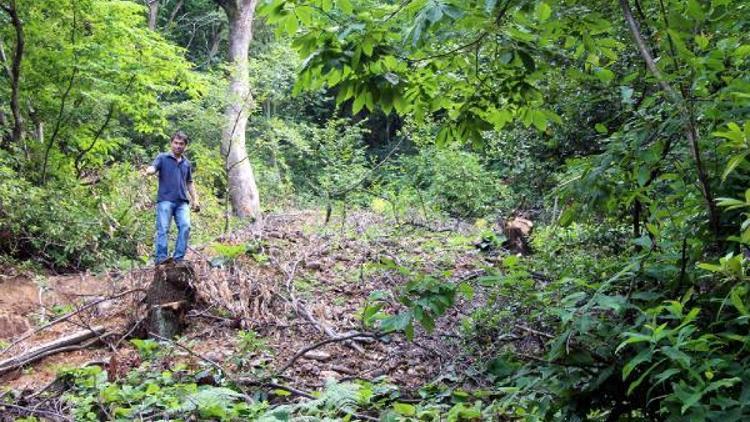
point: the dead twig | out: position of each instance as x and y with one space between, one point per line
533 331
300 353
294 391
40 412
304 312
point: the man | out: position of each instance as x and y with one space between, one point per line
176 193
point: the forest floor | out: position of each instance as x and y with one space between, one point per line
301 282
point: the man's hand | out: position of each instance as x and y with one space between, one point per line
196 207
148 171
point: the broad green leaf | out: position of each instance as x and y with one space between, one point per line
543 11
359 102
735 161
736 298
604 75
404 409
397 322
643 356
345 6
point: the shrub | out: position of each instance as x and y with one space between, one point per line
454 181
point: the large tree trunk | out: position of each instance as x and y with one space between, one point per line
242 188
153 13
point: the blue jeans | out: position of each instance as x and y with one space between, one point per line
165 210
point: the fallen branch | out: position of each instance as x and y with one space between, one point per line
294 391
305 313
67 317
300 353
31 411
64 344
238 381
533 331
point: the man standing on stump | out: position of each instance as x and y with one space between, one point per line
175 195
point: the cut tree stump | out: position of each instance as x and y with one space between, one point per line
168 299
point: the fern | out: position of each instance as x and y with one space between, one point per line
337 398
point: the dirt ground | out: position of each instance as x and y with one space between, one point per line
296 264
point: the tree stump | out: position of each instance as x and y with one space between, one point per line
168 299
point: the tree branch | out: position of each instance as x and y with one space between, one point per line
691 130
643 49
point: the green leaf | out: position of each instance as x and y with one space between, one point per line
604 75
643 356
688 399
345 6
632 339
567 216
466 290
695 11
735 161
359 102
539 119
291 24
599 127
543 11
736 299
404 409
367 47
644 174
397 322
730 203
701 41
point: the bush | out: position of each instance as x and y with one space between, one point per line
453 181
70 226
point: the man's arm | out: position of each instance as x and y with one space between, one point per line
193 196
154 167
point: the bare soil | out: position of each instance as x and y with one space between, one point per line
330 271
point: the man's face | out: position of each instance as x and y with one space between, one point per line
178 146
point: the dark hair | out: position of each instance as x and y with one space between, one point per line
181 136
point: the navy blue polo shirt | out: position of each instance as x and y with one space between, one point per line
173 178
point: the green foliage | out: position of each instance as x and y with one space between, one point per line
87 67
147 349
425 297
452 181
64 227
144 391
248 342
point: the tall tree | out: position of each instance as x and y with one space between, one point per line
14 73
242 188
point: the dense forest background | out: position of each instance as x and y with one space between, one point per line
619 128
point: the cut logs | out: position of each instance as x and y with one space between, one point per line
168 299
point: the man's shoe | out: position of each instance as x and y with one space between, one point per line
167 261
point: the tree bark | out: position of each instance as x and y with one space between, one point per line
241 180
153 13
15 72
